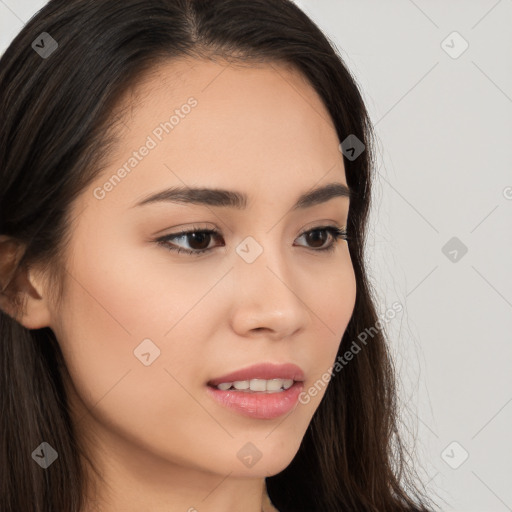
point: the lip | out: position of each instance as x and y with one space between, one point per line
258 405
262 371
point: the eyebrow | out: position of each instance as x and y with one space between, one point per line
233 199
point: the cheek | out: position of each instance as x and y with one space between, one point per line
110 308
332 300
115 304
332 297
128 292
118 298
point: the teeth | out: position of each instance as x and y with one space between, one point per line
272 385
260 385
287 383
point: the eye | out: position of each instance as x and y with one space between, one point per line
199 239
325 231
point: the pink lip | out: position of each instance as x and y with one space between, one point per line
262 371
258 405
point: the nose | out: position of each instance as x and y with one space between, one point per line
268 296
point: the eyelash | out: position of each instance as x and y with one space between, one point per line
335 232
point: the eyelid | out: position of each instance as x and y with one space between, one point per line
336 232
212 227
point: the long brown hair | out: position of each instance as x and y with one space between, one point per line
58 123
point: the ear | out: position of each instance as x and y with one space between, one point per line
22 293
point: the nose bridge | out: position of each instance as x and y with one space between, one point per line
262 257
266 291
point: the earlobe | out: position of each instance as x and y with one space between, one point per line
22 296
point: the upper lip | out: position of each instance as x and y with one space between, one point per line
262 371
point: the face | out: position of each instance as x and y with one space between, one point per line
144 328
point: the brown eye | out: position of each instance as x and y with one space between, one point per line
317 237
199 239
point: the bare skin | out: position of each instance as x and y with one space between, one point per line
160 442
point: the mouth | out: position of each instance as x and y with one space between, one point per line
260 378
256 385
261 391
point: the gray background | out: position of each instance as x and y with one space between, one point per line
444 124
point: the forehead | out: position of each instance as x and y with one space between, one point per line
219 124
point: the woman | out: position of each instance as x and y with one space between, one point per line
185 192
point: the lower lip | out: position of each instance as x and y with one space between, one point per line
258 405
